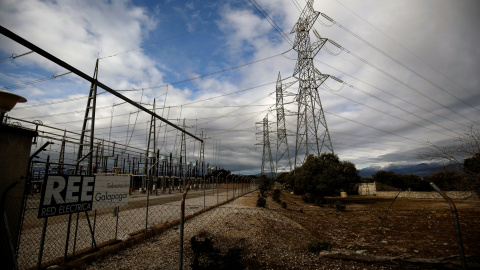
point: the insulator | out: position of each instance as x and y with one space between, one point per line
335 44
326 17
336 79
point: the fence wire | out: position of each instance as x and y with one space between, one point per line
238 233
66 236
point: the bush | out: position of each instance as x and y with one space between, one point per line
264 184
317 246
318 201
339 206
261 202
307 198
206 256
324 175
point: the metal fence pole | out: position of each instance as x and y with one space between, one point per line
67 238
42 242
76 233
45 221
148 197
457 225
182 224
116 225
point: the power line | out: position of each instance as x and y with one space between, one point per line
34 81
412 53
228 69
389 114
399 63
271 21
400 81
391 133
14 56
172 37
392 95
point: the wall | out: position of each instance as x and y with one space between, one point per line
15 143
373 188
426 194
382 190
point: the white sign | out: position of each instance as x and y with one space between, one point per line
62 194
110 191
65 195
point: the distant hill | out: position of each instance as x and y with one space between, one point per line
422 169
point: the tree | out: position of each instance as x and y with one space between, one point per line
324 175
463 158
388 178
415 182
446 180
401 181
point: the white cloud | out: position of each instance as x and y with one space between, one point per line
75 31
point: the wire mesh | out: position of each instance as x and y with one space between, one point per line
67 236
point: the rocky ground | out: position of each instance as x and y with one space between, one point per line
413 234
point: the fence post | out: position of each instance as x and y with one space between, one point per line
182 224
457 225
45 220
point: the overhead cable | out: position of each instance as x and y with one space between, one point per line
54 76
400 64
392 95
403 47
14 56
271 21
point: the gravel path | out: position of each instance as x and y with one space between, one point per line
268 241
131 218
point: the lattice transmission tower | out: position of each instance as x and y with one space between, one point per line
312 130
267 152
283 160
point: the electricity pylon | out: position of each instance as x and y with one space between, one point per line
267 152
283 160
310 119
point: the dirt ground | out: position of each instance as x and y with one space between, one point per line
412 234
412 229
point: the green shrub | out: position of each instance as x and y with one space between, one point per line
307 198
318 201
261 202
276 195
339 206
206 256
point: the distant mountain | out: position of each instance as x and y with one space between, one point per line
422 169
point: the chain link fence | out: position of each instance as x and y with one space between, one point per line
57 239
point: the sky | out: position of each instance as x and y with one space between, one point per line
408 70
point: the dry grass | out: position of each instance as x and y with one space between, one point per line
415 234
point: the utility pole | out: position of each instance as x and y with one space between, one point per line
312 130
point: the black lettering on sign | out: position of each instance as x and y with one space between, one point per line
66 194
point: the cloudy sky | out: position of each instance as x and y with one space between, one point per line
410 70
